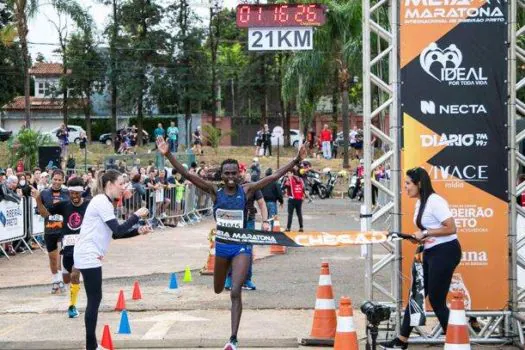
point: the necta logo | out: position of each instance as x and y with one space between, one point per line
444 65
452 11
429 108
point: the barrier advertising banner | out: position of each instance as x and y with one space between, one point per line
11 221
453 106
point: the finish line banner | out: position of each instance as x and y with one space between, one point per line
453 103
298 239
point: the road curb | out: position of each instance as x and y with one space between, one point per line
152 344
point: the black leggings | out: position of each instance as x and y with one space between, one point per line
296 204
439 263
93 286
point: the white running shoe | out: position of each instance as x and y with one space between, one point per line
230 346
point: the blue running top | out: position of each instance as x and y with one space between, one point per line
230 210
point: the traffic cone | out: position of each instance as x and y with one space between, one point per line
457 337
187 275
137 295
173 281
210 263
345 336
106 343
121 303
124 327
325 320
277 249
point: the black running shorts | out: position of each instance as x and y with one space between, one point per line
52 240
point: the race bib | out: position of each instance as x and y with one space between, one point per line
230 218
55 217
70 240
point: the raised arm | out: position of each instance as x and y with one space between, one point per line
42 210
193 178
252 187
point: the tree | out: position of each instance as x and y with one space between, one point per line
214 36
67 9
232 61
144 38
23 10
337 47
11 73
88 70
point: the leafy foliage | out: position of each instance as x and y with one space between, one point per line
214 136
25 146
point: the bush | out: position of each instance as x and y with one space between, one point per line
25 146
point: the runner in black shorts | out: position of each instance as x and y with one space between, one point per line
53 227
72 211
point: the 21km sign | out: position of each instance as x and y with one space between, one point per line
280 38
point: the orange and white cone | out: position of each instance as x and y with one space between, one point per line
210 263
345 336
457 337
277 249
325 319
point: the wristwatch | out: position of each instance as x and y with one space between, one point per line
425 233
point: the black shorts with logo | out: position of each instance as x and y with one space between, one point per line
52 240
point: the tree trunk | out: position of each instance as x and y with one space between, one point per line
140 115
87 114
22 33
65 111
263 77
114 76
335 101
346 125
187 121
214 46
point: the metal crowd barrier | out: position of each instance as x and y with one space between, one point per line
19 224
176 204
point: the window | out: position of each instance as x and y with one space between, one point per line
44 88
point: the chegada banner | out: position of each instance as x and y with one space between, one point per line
453 57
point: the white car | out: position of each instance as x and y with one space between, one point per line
295 137
74 132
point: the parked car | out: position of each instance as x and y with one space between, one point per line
74 132
4 134
295 138
106 138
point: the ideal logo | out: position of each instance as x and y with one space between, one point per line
445 66
3 219
429 107
452 11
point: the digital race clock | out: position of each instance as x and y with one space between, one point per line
280 15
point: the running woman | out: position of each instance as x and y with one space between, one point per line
53 227
99 226
73 212
229 207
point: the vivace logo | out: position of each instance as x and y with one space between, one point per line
429 107
452 11
444 65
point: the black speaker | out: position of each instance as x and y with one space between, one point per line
47 154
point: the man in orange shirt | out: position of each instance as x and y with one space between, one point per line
326 139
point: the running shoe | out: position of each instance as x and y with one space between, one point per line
395 343
55 288
232 345
62 287
228 283
72 312
249 285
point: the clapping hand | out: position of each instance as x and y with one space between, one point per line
34 193
142 212
144 230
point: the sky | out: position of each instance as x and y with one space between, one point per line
43 36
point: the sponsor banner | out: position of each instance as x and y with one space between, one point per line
299 239
453 56
11 221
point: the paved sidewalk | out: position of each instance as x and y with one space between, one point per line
168 250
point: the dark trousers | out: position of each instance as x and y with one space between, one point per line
93 285
267 147
297 205
439 263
